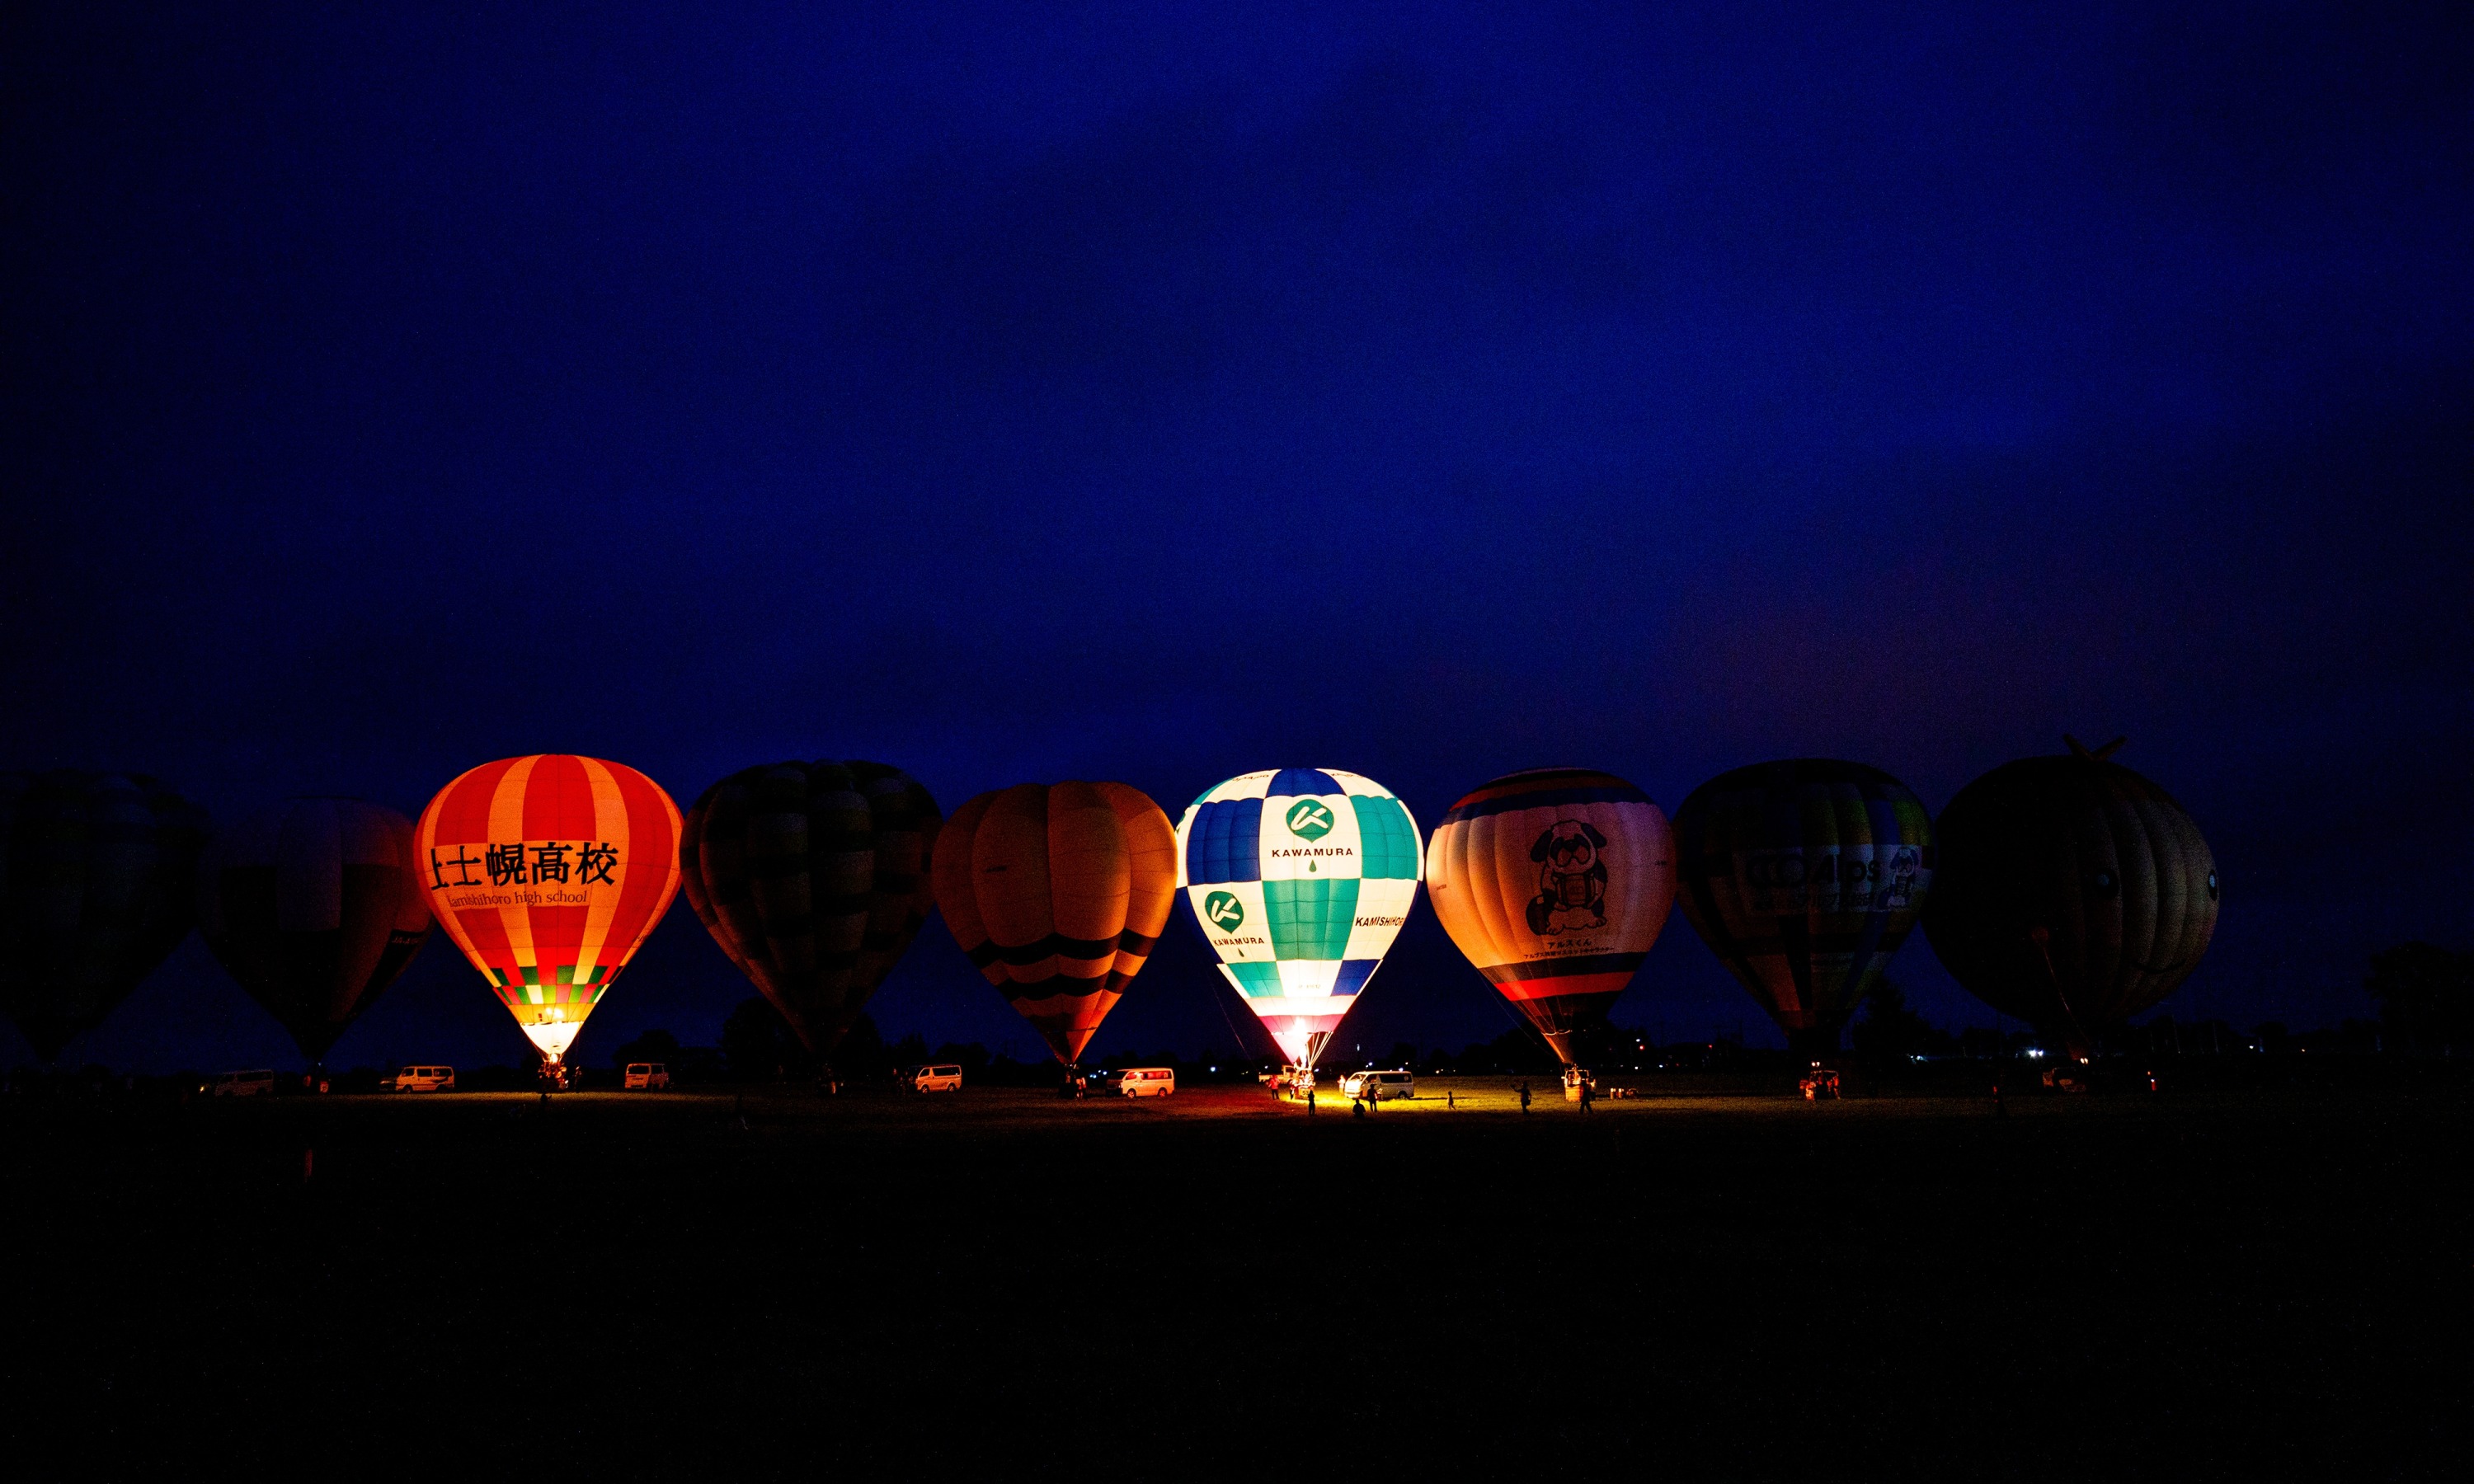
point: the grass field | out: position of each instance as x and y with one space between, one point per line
2270 1283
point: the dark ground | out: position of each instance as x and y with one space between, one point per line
2262 1281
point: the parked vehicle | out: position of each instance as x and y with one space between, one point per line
938 1079
1144 1081
648 1077
257 1084
420 1079
1379 1085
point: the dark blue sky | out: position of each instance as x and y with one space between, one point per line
1156 394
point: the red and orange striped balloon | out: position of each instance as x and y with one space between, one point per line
549 872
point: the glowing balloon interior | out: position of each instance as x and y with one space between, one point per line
549 872
1300 878
1057 894
1555 883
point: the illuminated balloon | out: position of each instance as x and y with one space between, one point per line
1804 877
1057 894
315 907
1554 883
813 879
548 872
1300 878
98 883
2074 894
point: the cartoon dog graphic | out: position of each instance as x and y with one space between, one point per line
1571 880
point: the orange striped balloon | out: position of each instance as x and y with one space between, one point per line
549 872
1057 894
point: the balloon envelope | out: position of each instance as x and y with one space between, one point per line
813 879
2073 894
98 884
1057 894
1804 877
548 872
1300 878
1555 883
314 906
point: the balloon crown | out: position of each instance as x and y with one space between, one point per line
2085 753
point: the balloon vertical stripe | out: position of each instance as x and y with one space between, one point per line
644 827
608 824
507 823
1151 893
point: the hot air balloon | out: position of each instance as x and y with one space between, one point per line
2074 894
1299 880
98 884
548 872
1554 882
315 907
813 879
1804 877
1057 894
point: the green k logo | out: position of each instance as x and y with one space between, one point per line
1309 818
1224 912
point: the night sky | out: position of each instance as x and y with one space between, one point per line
1158 394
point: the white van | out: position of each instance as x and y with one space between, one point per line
938 1079
650 1076
1144 1081
1379 1085
257 1084
420 1079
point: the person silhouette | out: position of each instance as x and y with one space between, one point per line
1525 1094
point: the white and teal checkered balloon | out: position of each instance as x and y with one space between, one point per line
1300 878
